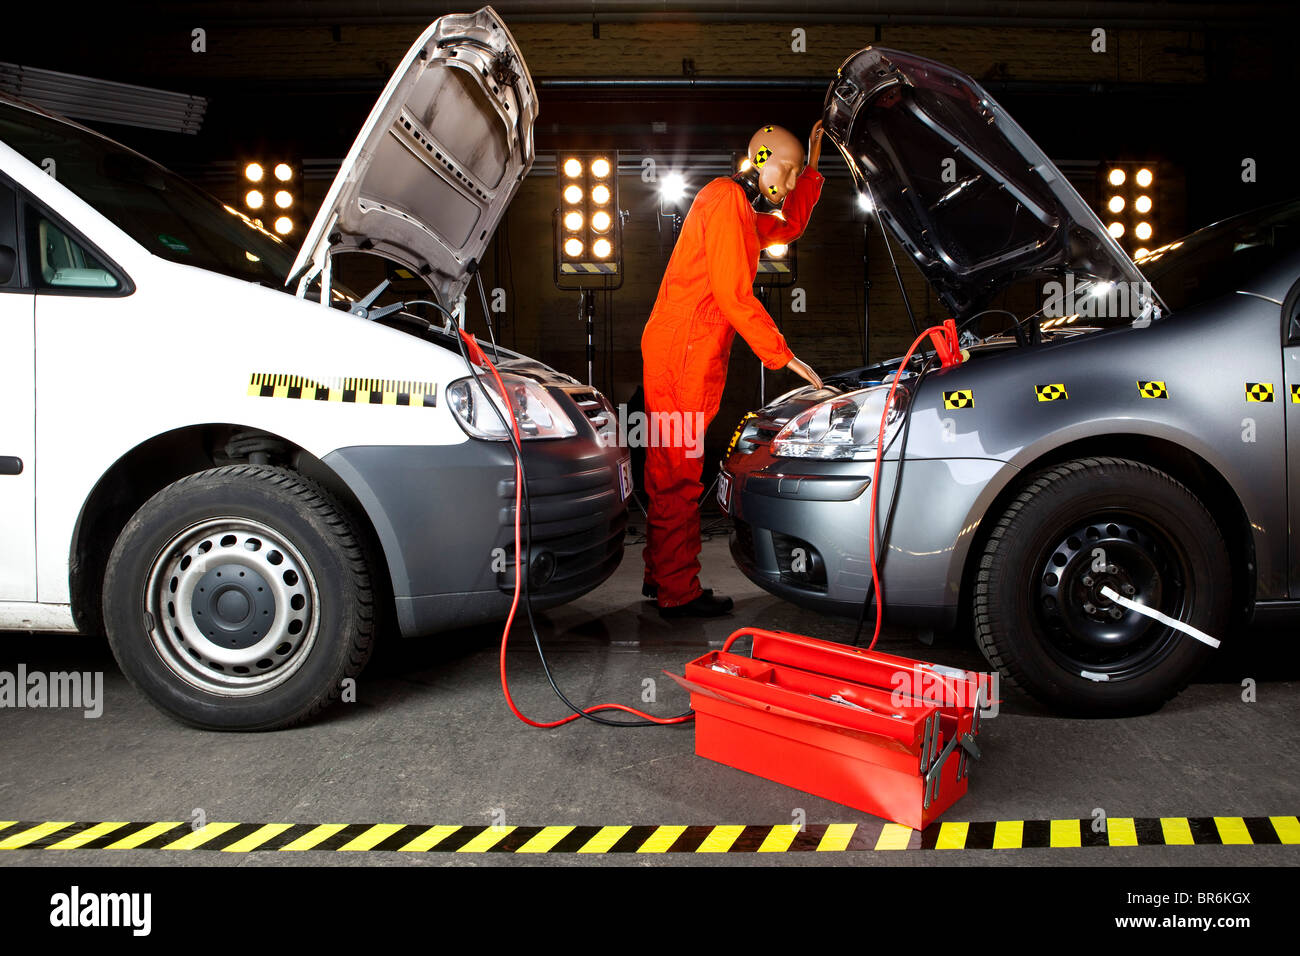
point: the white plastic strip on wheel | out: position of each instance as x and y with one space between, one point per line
1187 629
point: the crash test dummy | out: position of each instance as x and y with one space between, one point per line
705 298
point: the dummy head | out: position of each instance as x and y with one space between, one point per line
778 158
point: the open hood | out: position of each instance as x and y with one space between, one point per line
960 185
437 162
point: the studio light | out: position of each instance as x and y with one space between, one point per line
672 187
1131 202
281 174
588 226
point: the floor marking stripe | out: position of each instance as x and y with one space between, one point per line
1064 833
778 840
1177 831
86 835
1059 834
952 836
837 836
661 840
604 840
429 839
1008 834
1232 830
720 839
317 834
1121 832
545 840
256 838
200 836
376 834
149 832
32 834
486 840
1288 829
894 836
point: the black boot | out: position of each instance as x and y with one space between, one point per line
649 590
706 605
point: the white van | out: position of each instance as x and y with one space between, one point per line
240 484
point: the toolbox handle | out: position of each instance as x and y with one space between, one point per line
752 632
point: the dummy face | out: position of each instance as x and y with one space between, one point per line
779 157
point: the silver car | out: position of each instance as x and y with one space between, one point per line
1121 442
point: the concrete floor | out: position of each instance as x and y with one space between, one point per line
430 741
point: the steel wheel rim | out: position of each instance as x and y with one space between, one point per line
231 607
1143 564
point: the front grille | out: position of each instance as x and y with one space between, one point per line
596 408
579 519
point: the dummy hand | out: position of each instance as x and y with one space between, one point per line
805 372
815 144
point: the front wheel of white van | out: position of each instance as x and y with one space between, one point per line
240 599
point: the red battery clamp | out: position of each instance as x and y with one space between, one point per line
888 735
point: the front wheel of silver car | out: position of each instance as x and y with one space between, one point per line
1076 533
239 599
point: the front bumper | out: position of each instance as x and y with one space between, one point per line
800 531
444 516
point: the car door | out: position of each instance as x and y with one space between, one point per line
17 414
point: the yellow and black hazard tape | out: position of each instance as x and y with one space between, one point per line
783 838
362 391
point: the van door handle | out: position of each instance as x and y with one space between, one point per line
10 465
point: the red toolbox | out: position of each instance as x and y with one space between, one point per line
889 735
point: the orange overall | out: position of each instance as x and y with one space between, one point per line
706 297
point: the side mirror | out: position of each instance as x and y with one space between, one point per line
8 262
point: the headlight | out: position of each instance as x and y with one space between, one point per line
844 427
539 415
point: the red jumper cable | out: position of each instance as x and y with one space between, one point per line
480 358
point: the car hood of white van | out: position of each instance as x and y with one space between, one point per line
437 162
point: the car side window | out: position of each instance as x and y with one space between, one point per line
10 277
58 261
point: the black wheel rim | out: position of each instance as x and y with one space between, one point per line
1085 631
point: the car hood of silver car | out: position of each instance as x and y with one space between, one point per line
971 198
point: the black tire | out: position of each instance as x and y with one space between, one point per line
1039 617
204 587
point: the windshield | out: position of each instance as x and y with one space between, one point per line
1221 258
167 215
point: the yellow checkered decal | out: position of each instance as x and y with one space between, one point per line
1259 391
725 838
1051 393
762 156
1295 394
361 391
768 129
1152 389
961 398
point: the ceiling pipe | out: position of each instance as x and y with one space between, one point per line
1004 13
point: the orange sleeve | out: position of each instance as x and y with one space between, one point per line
795 211
730 279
